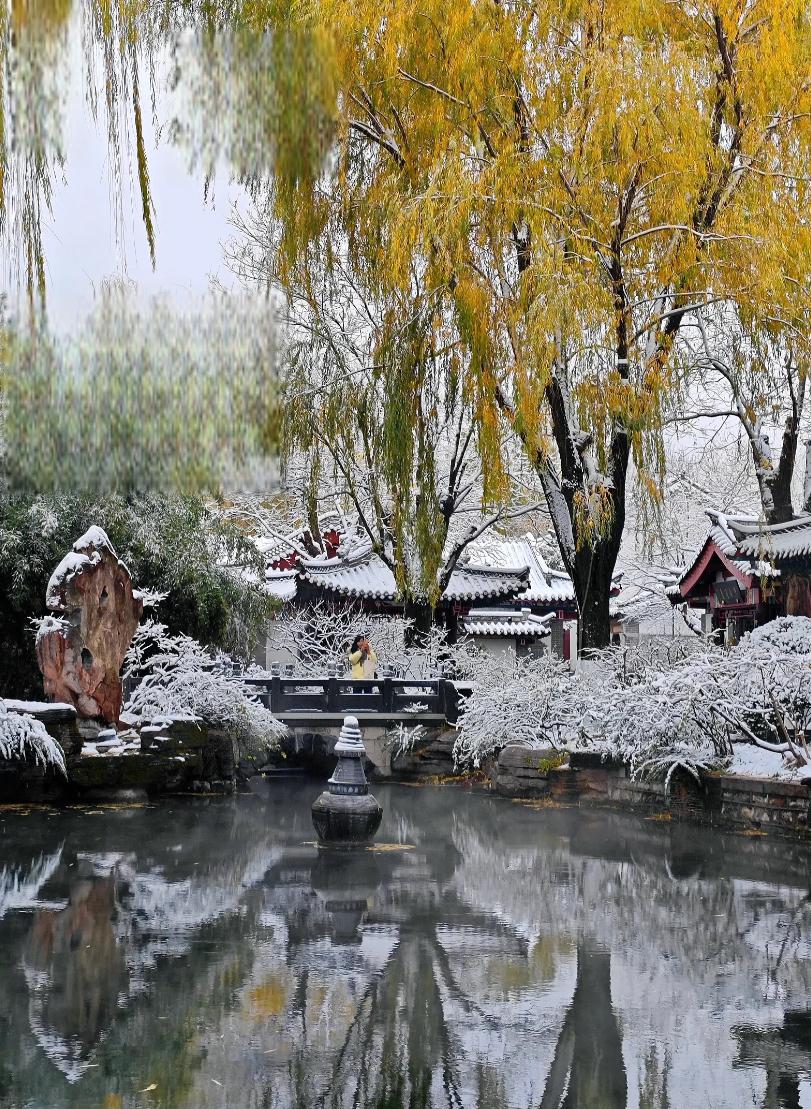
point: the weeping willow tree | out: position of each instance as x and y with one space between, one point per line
570 183
377 423
250 98
142 398
36 44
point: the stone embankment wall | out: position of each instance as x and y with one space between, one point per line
746 804
173 758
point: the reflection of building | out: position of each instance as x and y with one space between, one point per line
747 573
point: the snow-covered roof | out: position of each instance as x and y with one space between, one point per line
507 622
727 533
281 584
546 586
749 547
473 582
364 574
775 541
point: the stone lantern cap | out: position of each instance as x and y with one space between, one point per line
349 777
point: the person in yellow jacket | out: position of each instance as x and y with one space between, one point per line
362 658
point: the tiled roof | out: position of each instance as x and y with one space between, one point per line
775 541
474 583
366 575
281 584
741 539
506 622
546 586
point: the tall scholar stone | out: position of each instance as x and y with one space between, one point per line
81 651
347 812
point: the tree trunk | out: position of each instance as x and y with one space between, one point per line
589 559
781 508
420 612
588 1068
593 574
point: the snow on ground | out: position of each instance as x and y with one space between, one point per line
754 762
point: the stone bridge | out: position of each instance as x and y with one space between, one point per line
314 708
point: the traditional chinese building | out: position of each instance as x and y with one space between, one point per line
359 576
505 595
748 573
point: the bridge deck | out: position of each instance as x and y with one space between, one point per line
365 719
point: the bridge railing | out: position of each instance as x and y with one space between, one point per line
337 696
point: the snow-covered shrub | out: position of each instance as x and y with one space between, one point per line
654 710
23 738
178 678
533 701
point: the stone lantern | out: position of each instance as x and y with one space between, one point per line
346 812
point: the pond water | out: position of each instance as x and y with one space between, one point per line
486 954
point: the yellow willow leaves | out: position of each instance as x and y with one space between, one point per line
268 999
42 15
593 513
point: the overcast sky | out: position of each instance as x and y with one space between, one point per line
82 242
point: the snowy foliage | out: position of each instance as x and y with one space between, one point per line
208 573
515 701
24 738
656 710
314 639
178 678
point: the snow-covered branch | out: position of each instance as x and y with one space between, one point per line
691 705
178 678
23 738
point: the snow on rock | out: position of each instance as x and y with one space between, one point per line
49 624
72 564
95 538
86 552
39 708
80 656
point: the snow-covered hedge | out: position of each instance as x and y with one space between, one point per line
178 678
22 738
653 709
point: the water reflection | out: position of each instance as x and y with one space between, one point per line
208 954
75 970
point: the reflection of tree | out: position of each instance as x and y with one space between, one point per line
588 1069
785 1055
496 969
402 1044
